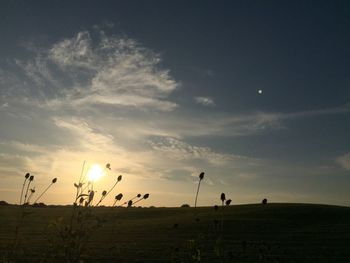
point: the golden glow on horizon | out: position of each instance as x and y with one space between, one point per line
95 173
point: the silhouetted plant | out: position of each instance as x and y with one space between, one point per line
24 183
228 202
54 180
90 198
132 199
31 178
145 196
129 203
12 252
71 237
117 198
264 201
201 176
119 178
223 198
32 191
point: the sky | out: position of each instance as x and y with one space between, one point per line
163 90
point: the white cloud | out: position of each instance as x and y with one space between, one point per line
85 71
180 150
344 161
206 101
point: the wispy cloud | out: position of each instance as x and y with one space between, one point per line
180 150
344 161
206 101
89 71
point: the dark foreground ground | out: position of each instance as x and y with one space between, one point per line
243 233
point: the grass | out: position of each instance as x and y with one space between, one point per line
252 233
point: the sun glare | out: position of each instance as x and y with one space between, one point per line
95 173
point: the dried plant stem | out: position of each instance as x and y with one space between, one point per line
195 201
25 196
79 186
82 172
47 188
24 183
129 200
138 200
104 196
222 216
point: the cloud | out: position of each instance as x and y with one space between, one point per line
344 161
106 98
180 150
85 70
206 101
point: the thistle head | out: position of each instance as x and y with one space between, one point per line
32 191
228 202
27 175
223 197
138 195
119 197
31 178
108 166
201 176
130 203
119 178
54 180
91 196
104 193
145 196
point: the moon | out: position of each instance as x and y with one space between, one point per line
260 91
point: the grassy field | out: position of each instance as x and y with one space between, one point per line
242 233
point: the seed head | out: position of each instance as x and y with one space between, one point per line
130 203
104 193
119 178
91 196
54 180
119 197
27 175
145 196
138 195
223 197
108 166
228 202
201 176
31 178
32 190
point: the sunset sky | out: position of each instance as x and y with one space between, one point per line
163 90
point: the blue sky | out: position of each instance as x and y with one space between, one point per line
166 89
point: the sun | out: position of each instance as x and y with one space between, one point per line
95 173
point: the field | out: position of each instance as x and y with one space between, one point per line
240 233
